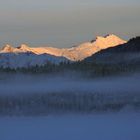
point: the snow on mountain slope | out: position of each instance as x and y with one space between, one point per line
24 56
89 48
83 50
8 49
108 41
128 53
19 60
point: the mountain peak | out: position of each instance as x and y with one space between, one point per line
109 35
112 36
109 40
99 37
127 53
7 48
23 46
76 53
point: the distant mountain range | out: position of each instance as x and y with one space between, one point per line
75 53
125 53
25 56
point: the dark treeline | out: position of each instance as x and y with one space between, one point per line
87 69
43 104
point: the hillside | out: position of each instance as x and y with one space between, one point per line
125 53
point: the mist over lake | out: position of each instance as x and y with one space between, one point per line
18 84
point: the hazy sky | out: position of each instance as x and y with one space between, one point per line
64 23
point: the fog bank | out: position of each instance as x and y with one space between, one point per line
37 84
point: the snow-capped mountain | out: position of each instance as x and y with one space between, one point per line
128 53
87 49
16 58
76 53
25 56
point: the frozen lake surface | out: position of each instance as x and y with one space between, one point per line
117 126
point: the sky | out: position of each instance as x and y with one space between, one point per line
64 23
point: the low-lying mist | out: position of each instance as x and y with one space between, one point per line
19 84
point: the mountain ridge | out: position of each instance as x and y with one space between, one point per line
77 53
124 53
